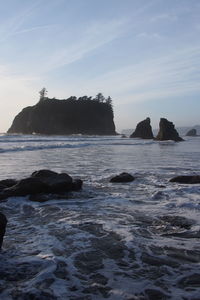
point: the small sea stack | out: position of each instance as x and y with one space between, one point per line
143 130
192 132
167 131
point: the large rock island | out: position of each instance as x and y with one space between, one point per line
71 116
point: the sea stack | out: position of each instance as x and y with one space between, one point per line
52 116
143 130
167 131
191 132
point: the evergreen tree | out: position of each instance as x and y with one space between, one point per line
109 101
43 94
99 98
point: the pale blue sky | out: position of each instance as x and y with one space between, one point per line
145 54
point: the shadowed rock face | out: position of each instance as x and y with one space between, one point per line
186 179
167 131
42 183
3 222
143 130
123 177
54 116
191 132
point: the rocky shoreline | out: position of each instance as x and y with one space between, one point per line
44 185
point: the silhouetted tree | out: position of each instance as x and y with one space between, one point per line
109 101
83 98
73 98
43 94
99 97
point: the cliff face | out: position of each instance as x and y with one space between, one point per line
53 116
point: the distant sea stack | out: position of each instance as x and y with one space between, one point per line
167 131
191 132
71 116
143 130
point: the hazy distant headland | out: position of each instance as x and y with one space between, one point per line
83 115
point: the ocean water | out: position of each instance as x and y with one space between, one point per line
138 240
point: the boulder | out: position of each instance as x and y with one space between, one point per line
167 131
191 132
6 183
42 182
27 186
143 130
56 182
193 179
77 185
3 222
123 177
44 173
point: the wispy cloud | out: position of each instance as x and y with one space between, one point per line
164 17
15 22
152 35
35 28
93 37
171 75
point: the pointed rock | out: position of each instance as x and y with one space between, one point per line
143 130
167 131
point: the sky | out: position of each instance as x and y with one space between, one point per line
145 54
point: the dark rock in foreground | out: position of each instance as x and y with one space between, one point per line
41 182
3 222
167 131
6 183
193 179
191 132
123 177
191 280
143 130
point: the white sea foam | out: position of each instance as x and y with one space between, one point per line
114 241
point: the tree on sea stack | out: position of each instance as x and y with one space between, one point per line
109 101
43 94
99 98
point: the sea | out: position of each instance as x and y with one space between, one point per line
135 241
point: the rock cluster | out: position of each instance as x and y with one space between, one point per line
40 182
191 132
167 131
143 130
